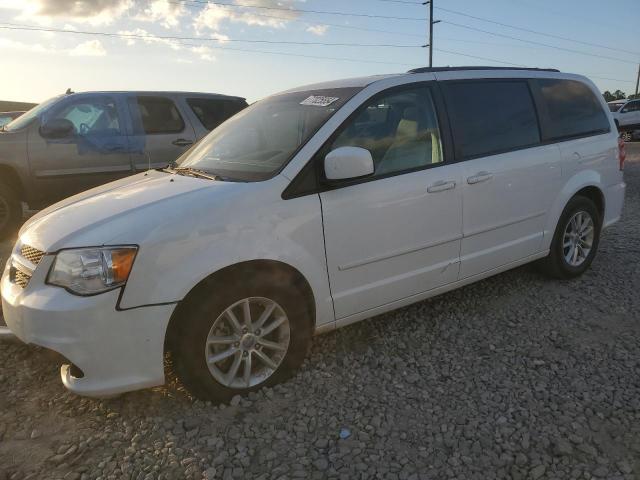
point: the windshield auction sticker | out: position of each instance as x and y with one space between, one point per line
319 101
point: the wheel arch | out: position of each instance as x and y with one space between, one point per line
587 183
11 178
281 271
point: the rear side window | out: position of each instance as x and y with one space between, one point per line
631 107
212 112
158 115
572 109
490 117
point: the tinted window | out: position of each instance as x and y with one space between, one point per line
212 112
159 115
631 107
491 116
572 109
614 107
400 130
91 116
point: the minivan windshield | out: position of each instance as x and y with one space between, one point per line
258 142
614 107
26 118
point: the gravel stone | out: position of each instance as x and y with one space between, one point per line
515 377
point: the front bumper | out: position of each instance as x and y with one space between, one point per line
118 351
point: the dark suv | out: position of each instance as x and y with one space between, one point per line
77 141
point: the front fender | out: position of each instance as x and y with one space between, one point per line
580 180
180 248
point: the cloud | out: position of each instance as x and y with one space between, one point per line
163 12
94 12
90 48
318 29
213 15
138 34
205 53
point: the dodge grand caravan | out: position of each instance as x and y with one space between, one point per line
310 210
78 141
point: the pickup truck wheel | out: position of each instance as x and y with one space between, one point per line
575 241
10 211
237 339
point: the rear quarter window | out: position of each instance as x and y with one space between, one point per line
491 117
212 112
571 109
158 115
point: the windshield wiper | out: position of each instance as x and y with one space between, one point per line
192 172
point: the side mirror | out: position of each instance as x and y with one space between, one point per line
57 128
346 163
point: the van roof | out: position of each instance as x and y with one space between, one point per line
365 81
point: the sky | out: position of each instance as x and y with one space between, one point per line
239 50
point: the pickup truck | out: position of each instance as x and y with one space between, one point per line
77 141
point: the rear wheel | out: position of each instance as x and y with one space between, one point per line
626 136
10 211
238 338
575 241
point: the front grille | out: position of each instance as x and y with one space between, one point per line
32 254
18 277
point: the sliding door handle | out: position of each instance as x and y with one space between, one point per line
479 178
441 186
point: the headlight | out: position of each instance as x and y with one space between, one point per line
88 271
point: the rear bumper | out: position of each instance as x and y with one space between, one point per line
117 351
614 201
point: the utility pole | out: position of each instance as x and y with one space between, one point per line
638 79
432 22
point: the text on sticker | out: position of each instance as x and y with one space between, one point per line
319 101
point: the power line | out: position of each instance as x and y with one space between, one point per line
536 32
579 52
11 26
336 25
300 10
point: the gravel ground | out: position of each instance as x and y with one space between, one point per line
513 377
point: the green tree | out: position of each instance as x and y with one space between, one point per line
608 97
619 95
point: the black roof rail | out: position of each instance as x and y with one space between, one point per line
455 69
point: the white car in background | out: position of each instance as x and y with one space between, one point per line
626 114
308 211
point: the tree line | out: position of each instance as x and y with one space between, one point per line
618 95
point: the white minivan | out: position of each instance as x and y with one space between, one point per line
310 210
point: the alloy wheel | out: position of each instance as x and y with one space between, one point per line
247 342
578 238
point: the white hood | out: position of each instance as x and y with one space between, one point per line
77 220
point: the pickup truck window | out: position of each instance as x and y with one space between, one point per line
92 115
212 112
158 115
25 119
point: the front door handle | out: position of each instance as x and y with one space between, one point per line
479 178
182 142
441 186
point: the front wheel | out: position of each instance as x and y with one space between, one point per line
626 137
239 338
575 241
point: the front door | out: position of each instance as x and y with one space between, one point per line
398 233
95 153
509 178
160 132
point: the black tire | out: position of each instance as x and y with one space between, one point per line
555 264
10 211
197 315
626 137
